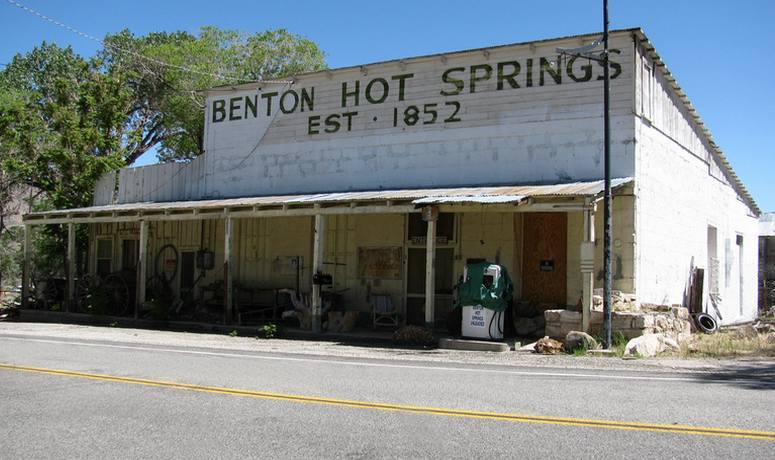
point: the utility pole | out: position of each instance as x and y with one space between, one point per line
607 275
589 53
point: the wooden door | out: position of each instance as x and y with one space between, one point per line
544 266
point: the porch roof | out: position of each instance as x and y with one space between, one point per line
524 197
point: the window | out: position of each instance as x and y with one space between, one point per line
445 228
129 254
646 88
187 269
104 257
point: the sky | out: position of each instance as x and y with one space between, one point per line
721 52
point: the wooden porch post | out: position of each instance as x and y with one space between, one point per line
70 304
318 249
587 268
27 266
430 214
141 267
228 284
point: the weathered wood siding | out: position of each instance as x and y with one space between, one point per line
526 128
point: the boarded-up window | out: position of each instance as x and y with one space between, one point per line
104 257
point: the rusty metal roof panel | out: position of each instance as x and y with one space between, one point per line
461 195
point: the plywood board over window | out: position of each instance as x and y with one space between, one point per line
380 263
544 267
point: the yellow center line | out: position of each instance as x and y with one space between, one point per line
522 418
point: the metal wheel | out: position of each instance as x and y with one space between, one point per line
45 293
86 287
167 263
118 291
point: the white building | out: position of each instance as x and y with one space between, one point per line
504 143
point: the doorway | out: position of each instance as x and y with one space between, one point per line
544 263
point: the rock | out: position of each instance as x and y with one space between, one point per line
680 312
578 339
746 332
649 345
524 327
643 321
568 316
670 344
552 315
547 345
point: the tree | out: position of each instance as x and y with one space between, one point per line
61 123
65 120
61 127
166 70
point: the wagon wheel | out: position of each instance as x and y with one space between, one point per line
45 293
86 287
118 290
167 263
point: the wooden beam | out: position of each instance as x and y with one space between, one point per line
587 269
430 215
70 304
142 267
219 214
27 266
318 250
228 281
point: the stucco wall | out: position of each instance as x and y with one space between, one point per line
681 190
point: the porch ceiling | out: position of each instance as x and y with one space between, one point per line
378 201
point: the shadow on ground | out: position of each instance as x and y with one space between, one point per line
754 375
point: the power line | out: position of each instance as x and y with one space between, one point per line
122 50
239 164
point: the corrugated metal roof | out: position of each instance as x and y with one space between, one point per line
482 195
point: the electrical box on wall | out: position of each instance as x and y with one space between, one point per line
205 260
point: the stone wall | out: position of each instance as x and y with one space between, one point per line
672 321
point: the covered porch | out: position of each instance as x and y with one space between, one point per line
399 253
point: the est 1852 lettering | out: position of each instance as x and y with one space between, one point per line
427 114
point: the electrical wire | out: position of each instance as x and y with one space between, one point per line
130 52
238 165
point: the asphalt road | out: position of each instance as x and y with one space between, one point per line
121 400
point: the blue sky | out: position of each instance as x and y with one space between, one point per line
721 52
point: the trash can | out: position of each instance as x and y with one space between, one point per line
484 295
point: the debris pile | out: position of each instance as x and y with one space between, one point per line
548 346
414 335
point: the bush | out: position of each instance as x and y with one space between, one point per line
267 331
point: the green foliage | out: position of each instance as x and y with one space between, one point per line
167 110
97 301
65 121
11 257
59 120
233 333
268 331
